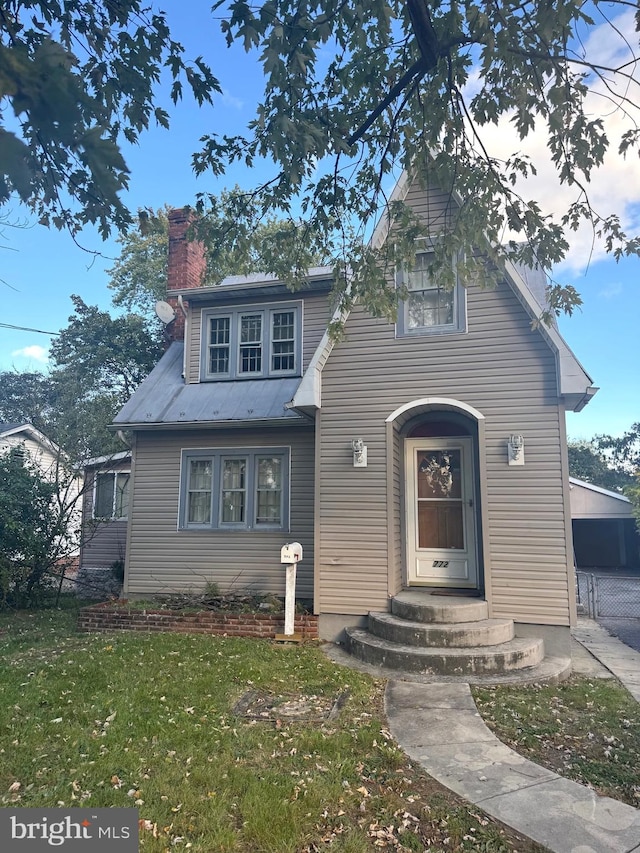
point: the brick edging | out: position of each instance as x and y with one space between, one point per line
109 617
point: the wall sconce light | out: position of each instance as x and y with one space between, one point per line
515 450
359 453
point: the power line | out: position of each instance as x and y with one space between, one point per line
26 329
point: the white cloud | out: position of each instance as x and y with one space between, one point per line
34 352
611 290
615 187
231 101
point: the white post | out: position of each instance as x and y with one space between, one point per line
290 599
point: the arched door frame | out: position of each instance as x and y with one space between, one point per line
395 423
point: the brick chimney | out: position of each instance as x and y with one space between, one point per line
186 266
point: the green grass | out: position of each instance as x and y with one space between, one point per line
585 729
131 719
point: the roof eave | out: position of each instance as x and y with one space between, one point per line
260 423
575 386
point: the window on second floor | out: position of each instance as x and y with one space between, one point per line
429 308
111 496
254 342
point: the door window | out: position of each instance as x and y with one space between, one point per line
439 494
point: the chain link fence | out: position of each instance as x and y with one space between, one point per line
608 595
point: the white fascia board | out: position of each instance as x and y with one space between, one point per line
309 393
573 380
573 481
381 230
37 436
111 457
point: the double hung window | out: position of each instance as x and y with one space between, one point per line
111 495
254 342
429 308
235 489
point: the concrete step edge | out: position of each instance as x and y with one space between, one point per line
424 607
551 670
485 632
517 644
509 656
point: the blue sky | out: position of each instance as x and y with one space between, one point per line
41 268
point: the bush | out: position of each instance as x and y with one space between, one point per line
35 535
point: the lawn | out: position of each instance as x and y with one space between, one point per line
585 729
195 732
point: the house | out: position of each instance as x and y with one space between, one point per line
52 463
604 529
425 454
105 510
44 453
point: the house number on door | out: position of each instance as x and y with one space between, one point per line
440 564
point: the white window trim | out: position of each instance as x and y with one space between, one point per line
218 455
235 313
459 323
113 516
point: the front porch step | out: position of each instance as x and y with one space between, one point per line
485 632
516 654
421 605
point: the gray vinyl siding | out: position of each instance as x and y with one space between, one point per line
163 559
503 369
103 542
315 316
433 206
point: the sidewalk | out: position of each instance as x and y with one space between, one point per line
439 727
618 658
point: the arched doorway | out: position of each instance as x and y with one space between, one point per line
442 520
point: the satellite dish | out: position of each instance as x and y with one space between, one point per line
165 312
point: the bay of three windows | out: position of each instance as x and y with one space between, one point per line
235 489
253 342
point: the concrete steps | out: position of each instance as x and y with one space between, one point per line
450 637
485 632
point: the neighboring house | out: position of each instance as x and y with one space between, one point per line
44 453
425 453
604 529
53 464
105 511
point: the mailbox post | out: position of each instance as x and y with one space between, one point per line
290 556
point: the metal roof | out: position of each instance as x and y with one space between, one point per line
163 399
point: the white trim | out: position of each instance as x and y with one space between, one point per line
574 481
113 457
36 435
449 566
309 393
436 403
382 227
572 377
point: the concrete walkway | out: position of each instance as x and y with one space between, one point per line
439 727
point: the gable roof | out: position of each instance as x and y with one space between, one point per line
598 489
574 383
591 502
164 400
15 429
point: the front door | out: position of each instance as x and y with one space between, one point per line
441 529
